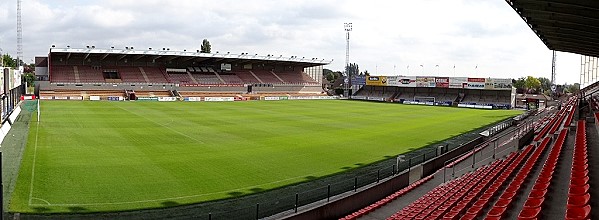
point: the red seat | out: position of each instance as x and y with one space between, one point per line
496 212
577 212
503 202
579 200
533 202
579 190
580 173
529 213
544 179
537 193
541 186
579 181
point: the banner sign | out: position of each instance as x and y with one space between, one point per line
312 97
393 81
211 85
219 99
407 81
376 80
425 81
476 83
114 98
192 99
498 84
167 99
358 80
442 82
94 98
147 98
458 82
269 98
47 97
79 98
61 97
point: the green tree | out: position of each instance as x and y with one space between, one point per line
532 83
574 88
29 78
9 61
206 47
545 84
519 84
353 69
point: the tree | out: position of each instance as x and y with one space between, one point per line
519 84
574 88
545 84
352 69
206 47
366 73
29 78
9 61
29 68
532 83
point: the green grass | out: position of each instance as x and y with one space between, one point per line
108 156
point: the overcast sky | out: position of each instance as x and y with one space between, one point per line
483 38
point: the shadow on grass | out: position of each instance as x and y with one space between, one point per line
41 209
235 194
77 209
169 203
311 177
256 190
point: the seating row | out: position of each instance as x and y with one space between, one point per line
578 206
388 199
459 193
534 202
505 200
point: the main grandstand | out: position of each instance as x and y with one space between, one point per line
130 73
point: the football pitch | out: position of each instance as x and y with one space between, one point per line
111 156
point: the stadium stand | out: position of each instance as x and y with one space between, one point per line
295 77
116 70
493 190
131 74
63 74
207 78
246 77
435 96
267 76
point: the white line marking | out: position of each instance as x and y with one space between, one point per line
165 199
37 129
40 199
164 126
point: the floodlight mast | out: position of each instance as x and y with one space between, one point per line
19 35
347 81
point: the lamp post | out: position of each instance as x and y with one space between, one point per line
347 81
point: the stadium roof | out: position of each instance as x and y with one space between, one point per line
185 56
563 25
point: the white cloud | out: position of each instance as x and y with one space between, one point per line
387 37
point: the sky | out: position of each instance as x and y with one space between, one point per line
481 38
